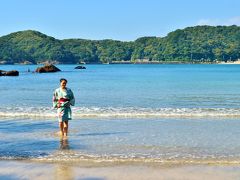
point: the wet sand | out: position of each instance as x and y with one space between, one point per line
35 170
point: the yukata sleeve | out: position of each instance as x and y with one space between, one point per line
72 98
55 99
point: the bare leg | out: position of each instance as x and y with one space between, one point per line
61 128
65 128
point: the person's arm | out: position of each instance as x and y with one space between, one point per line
72 99
55 100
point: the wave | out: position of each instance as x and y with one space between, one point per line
71 157
122 112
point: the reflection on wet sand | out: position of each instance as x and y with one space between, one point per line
63 171
64 144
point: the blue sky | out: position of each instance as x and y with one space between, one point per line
124 20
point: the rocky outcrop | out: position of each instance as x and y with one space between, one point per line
80 67
47 69
12 73
9 73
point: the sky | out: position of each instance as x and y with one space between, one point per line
124 20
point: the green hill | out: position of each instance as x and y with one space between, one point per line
33 46
192 44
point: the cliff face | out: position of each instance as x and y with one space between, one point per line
200 43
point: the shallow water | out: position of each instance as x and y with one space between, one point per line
125 113
121 140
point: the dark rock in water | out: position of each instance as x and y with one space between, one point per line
47 68
12 73
2 73
80 67
9 73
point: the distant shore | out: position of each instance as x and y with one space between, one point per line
161 62
130 62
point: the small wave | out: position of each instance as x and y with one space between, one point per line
83 158
122 112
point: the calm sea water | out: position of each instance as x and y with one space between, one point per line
125 113
127 90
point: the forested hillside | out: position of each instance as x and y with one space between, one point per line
192 44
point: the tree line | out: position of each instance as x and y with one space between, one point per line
192 44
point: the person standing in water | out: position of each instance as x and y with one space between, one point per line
63 99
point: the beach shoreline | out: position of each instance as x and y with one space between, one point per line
129 122
39 170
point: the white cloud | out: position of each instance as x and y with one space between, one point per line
215 22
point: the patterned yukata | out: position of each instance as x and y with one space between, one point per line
65 98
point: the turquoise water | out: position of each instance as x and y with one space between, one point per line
127 90
125 112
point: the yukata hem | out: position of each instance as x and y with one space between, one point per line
64 114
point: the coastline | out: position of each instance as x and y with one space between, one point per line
43 155
161 62
128 62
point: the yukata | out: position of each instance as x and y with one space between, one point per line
65 98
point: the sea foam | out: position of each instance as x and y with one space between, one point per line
122 112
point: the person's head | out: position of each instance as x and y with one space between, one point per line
63 83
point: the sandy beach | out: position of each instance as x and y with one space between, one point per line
35 170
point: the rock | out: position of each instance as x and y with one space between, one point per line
2 73
80 67
12 73
9 73
47 68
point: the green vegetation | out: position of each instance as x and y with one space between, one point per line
192 44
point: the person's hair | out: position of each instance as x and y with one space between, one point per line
63 79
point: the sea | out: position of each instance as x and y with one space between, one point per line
124 113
